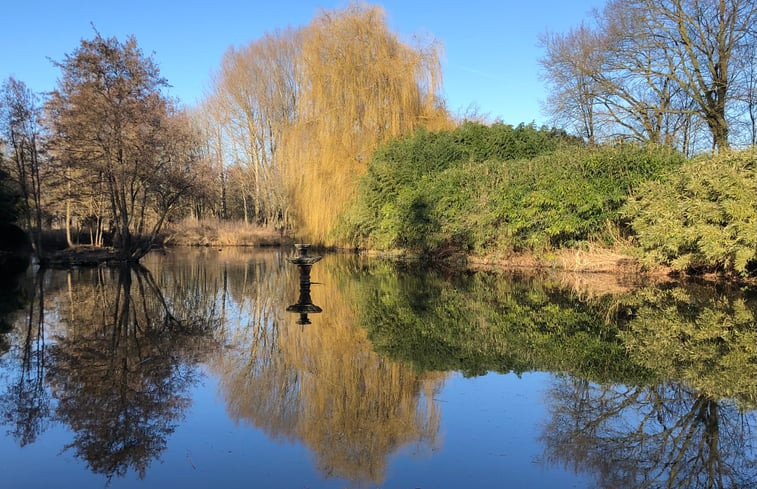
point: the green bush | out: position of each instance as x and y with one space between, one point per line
702 216
565 197
392 211
495 189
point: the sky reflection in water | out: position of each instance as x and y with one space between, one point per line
190 372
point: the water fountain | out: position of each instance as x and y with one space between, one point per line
304 262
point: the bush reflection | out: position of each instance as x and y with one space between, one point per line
653 386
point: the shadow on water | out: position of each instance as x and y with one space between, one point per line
650 387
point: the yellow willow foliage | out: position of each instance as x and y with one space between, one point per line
323 384
359 86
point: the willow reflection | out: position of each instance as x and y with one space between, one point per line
323 384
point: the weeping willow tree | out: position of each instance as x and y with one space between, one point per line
359 85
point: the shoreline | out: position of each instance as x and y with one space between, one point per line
624 269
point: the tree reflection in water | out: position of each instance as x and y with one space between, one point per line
115 356
25 403
323 384
647 437
688 355
695 426
119 365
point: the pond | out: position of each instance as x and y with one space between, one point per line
189 371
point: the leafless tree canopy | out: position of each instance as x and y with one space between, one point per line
115 130
668 71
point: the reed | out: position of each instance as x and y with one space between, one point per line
213 232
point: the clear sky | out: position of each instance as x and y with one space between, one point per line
490 60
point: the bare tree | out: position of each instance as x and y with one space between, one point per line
659 67
254 99
750 87
110 121
702 43
569 68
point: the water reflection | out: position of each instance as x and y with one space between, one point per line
14 293
666 435
304 305
476 323
115 368
702 337
693 334
653 387
657 385
322 385
25 402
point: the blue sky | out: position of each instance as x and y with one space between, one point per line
491 46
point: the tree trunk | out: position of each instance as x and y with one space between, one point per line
37 194
224 204
69 242
244 207
719 129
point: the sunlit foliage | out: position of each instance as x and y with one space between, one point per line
294 116
496 189
360 85
703 216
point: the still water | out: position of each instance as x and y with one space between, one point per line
189 372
